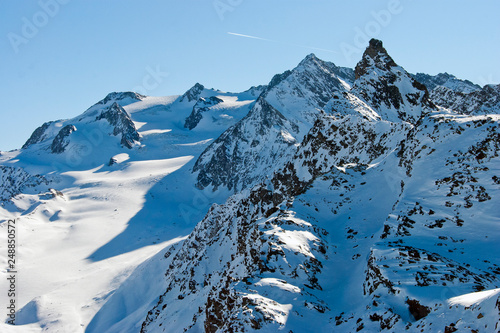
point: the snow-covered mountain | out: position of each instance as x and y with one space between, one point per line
461 96
330 199
483 101
266 137
446 80
370 225
388 88
95 201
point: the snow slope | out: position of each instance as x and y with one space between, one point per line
102 208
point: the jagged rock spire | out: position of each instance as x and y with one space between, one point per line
388 88
375 54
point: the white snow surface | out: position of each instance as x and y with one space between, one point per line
77 247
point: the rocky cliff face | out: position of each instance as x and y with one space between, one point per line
38 135
15 180
121 123
240 155
202 105
61 140
255 91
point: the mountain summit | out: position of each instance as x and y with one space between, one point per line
375 55
268 135
388 88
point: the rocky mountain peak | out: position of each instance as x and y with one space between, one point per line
446 80
193 93
277 79
307 87
310 58
38 135
281 116
492 88
259 140
122 98
311 64
388 88
482 101
374 55
118 96
256 90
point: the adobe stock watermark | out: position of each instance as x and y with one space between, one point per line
12 263
31 26
152 80
201 201
484 80
380 19
223 6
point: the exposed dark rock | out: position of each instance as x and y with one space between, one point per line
256 90
122 123
192 94
38 135
55 193
278 78
201 106
61 140
14 180
450 328
118 96
483 101
417 310
447 80
380 82
226 162
375 54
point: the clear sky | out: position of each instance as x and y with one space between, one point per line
58 57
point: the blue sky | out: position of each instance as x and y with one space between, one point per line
58 57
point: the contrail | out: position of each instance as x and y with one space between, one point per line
314 48
275 41
247 36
